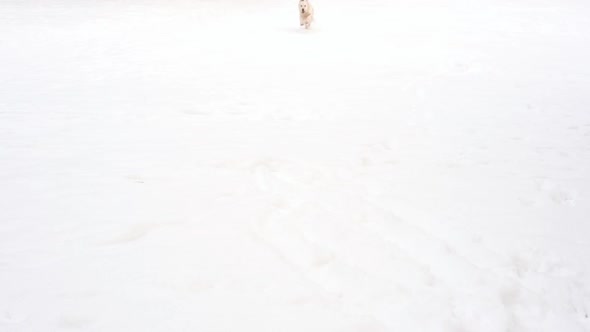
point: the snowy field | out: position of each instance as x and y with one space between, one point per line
210 166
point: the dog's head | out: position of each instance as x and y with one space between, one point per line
303 6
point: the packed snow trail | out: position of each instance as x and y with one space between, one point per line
211 166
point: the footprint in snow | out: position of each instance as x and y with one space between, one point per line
12 318
135 178
73 322
135 233
557 194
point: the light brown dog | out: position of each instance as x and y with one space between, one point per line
305 13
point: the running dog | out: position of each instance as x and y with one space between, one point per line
305 13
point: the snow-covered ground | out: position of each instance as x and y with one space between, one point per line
210 166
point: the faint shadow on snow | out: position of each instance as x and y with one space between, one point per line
300 30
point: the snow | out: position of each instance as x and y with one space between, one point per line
211 166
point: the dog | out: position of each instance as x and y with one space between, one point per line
305 13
